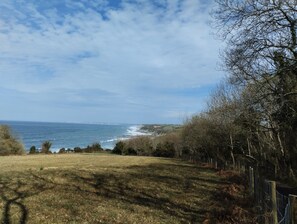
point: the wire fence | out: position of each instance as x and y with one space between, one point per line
275 206
282 207
266 202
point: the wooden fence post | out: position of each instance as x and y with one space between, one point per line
293 209
273 202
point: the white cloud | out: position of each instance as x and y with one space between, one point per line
137 51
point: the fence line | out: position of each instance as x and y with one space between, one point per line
275 207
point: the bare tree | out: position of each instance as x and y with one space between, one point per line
224 108
261 57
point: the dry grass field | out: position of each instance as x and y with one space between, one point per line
104 188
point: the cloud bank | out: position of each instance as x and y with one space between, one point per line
105 61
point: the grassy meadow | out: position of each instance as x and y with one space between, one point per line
104 188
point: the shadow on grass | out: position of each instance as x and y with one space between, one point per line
178 190
13 193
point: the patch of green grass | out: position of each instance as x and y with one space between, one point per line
104 189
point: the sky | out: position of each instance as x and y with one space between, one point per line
116 61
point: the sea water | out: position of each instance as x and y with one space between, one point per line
69 135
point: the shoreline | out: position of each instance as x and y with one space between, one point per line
72 135
130 132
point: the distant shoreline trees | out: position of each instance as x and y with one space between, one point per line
45 147
95 147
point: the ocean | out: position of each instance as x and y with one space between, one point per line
69 135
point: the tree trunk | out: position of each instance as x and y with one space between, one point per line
280 144
249 146
232 148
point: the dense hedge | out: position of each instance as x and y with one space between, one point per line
9 144
162 146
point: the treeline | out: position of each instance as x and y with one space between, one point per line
257 105
45 149
252 115
167 145
95 147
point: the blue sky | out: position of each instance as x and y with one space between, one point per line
129 61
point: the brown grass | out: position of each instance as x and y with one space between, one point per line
103 188
232 203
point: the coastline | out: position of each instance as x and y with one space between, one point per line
71 135
160 129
